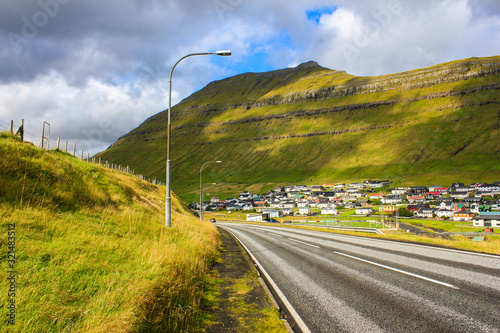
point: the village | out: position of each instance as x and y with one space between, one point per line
477 203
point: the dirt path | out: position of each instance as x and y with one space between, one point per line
243 304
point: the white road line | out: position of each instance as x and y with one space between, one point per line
399 270
311 245
285 301
272 233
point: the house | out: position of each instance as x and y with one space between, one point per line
457 207
460 195
446 204
214 199
392 199
287 211
415 190
416 208
323 204
255 218
357 185
489 220
273 213
462 215
478 209
377 196
433 195
304 210
339 186
247 206
302 204
444 213
400 190
377 184
364 211
426 212
434 187
472 200
329 211
317 188
288 204
387 209
416 198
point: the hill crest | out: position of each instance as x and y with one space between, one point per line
323 124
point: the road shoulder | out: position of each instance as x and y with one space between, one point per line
242 305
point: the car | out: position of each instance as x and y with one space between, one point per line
212 220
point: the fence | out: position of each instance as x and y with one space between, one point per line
44 143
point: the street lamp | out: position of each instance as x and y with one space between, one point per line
168 199
201 189
202 195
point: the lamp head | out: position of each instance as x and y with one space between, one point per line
223 53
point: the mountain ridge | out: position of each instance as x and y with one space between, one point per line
316 112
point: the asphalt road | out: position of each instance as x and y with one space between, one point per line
339 283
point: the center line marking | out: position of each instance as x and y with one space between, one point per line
294 240
398 270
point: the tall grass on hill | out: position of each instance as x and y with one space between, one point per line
92 252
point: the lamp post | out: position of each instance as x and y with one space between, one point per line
168 199
202 195
201 188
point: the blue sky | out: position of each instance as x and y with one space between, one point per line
95 70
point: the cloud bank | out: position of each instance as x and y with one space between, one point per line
95 70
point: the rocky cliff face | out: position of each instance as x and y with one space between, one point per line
320 123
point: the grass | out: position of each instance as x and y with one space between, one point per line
92 252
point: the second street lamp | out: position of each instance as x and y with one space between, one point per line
203 194
168 199
201 187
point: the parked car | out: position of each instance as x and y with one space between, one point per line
212 220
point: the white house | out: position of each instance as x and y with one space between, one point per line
247 206
254 218
489 220
364 211
329 211
304 210
442 213
273 213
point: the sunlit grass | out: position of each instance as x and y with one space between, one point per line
92 251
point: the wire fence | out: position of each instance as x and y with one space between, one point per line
44 141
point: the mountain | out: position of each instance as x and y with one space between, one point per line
310 124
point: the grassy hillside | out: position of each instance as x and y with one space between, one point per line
311 124
91 252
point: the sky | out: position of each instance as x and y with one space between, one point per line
94 70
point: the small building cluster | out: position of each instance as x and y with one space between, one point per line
477 203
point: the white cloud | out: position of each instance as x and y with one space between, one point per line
102 67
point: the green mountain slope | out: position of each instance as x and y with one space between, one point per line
310 124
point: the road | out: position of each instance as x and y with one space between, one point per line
341 283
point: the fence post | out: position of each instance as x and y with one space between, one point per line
82 154
22 130
74 150
66 151
12 126
58 142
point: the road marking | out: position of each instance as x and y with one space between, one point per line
285 301
398 270
272 233
311 245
